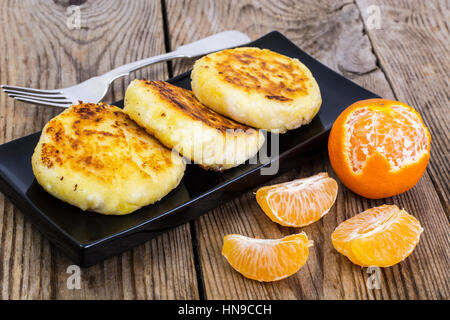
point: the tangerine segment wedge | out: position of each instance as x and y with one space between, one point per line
380 236
300 202
266 259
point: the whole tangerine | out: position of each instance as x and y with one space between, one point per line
379 148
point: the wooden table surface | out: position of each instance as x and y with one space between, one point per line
407 59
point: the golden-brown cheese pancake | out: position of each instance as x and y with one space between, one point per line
176 118
95 157
260 88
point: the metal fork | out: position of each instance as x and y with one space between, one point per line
94 89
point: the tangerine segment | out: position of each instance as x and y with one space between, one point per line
379 148
380 236
266 259
299 202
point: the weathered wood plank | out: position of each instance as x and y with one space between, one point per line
333 32
44 53
413 46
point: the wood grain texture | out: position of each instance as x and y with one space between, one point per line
407 60
413 46
38 50
334 33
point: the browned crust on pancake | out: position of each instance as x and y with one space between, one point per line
253 69
185 101
75 141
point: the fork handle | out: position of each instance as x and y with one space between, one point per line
219 41
125 69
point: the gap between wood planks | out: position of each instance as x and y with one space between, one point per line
192 227
389 81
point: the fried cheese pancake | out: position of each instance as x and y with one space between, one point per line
176 118
260 88
95 157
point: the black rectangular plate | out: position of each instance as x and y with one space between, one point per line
88 237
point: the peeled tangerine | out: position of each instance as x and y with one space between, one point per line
266 259
380 236
379 148
299 202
